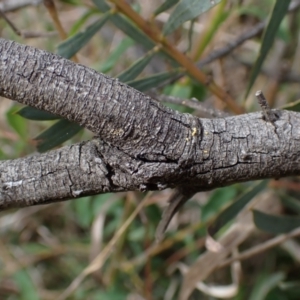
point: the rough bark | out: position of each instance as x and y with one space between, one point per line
143 146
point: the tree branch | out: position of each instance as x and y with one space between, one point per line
144 145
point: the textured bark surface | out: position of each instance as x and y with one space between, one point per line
144 145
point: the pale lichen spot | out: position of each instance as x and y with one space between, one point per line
10 184
117 132
194 132
76 193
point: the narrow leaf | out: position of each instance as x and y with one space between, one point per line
17 122
275 224
112 59
130 30
187 10
231 211
32 113
265 284
126 26
290 202
151 81
26 287
135 69
57 134
217 200
79 23
73 44
165 6
102 5
278 13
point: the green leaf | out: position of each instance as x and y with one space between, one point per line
130 30
135 69
275 224
102 5
231 211
151 81
26 287
73 44
278 13
187 10
111 60
79 23
32 113
218 199
126 26
84 212
264 284
57 134
17 122
165 6
290 202
217 19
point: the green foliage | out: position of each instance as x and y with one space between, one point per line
135 69
113 58
147 83
187 10
32 113
278 13
72 45
231 211
17 123
26 286
265 284
57 134
165 6
275 224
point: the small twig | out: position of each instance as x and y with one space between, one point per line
227 49
50 5
35 34
285 77
23 33
219 53
268 114
261 247
11 24
193 103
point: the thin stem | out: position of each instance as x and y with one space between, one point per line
261 248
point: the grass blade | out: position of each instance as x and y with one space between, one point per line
278 13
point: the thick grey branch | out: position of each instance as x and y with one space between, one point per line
144 146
